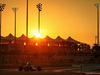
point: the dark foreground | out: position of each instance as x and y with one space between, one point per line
49 71
15 72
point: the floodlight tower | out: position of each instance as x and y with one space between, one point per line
97 6
39 6
15 11
1 9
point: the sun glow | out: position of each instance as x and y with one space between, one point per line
35 33
38 35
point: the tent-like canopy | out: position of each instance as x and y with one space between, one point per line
10 37
34 39
69 39
48 39
22 37
59 39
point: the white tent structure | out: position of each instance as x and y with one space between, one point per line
48 39
22 38
59 39
10 37
69 39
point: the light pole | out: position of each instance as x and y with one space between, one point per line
95 39
97 6
39 6
27 24
1 9
15 11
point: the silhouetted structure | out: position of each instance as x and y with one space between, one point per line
1 9
50 51
97 6
39 6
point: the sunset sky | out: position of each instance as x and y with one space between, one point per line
75 18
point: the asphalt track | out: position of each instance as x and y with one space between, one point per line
47 71
44 72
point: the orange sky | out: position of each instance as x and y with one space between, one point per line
75 18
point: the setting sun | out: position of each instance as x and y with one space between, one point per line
35 33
